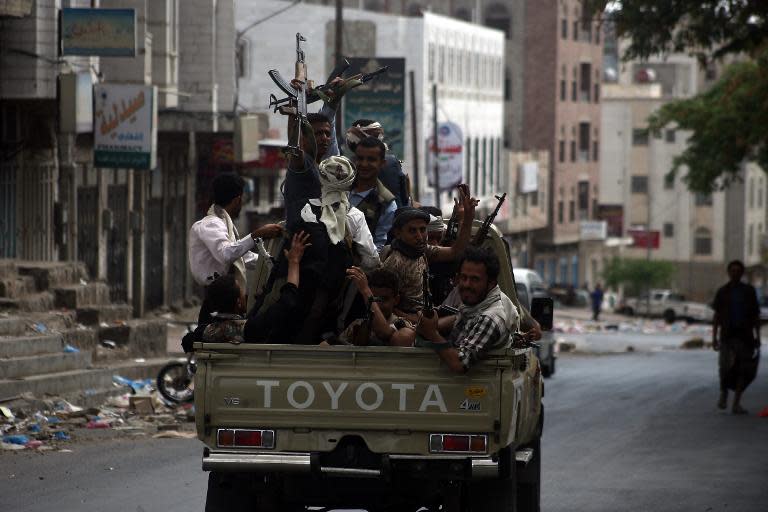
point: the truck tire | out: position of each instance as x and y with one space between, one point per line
240 492
547 370
669 316
529 482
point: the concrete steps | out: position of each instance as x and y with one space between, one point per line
36 302
81 295
14 287
20 346
84 382
49 275
12 326
108 313
18 367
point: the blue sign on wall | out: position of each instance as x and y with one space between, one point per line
98 32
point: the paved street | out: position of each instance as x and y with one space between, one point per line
626 432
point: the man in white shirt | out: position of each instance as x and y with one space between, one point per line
215 247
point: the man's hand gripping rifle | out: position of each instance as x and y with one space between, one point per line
482 233
295 105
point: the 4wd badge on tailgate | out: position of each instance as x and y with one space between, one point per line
470 405
475 391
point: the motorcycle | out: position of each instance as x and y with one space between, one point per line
176 380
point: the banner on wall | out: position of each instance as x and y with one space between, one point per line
125 126
450 156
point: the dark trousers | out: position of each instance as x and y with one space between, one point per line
273 325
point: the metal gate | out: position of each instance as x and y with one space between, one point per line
88 228
177 250
153 283
8 211
117 243
36 184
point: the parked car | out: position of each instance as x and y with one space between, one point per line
670 306
530 285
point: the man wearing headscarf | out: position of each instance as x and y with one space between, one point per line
410 255
392 175
215 247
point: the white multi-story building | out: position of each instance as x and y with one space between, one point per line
699 232
466 61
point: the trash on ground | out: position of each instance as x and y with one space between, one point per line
108 343
69 349
171 434
142 405
40 327
16 439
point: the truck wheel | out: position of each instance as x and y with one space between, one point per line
669 316
529 482
547 370
239 492
496 495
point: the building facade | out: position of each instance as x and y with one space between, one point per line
465 61
700 233
128 226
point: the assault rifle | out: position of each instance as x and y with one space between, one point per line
427 302
295 105
321 92
482 233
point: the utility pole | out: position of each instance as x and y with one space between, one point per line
414 138
436 149
338 50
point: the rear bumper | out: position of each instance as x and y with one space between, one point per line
474 468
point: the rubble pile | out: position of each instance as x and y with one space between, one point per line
638 326
52 424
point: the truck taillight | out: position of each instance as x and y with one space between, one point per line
245 438
458 443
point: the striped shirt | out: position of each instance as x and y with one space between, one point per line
473 337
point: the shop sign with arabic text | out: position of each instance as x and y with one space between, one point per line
98 32
125 126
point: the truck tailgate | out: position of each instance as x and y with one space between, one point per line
340 388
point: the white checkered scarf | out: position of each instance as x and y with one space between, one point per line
336 177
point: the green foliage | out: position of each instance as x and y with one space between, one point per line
706 28
729 125
637 275
729 122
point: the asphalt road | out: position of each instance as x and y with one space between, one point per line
627 432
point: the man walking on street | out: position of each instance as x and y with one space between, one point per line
737 320
597 302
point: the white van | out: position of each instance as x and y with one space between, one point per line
529 285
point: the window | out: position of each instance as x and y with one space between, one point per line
702 199
507 86
560 212
760 193
670 136
468 161
702 242
484 178
534 199
573 151
563 90
583 196
669 230
415 10
477 164
586 31
243 58
561 151
576 30
750 240
373 5
639 184
585 81
571 210
441 64
639 137
595 151
751 193
669 182
564 28
574 92
432 62
584 143
596 96
497 16
463 14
